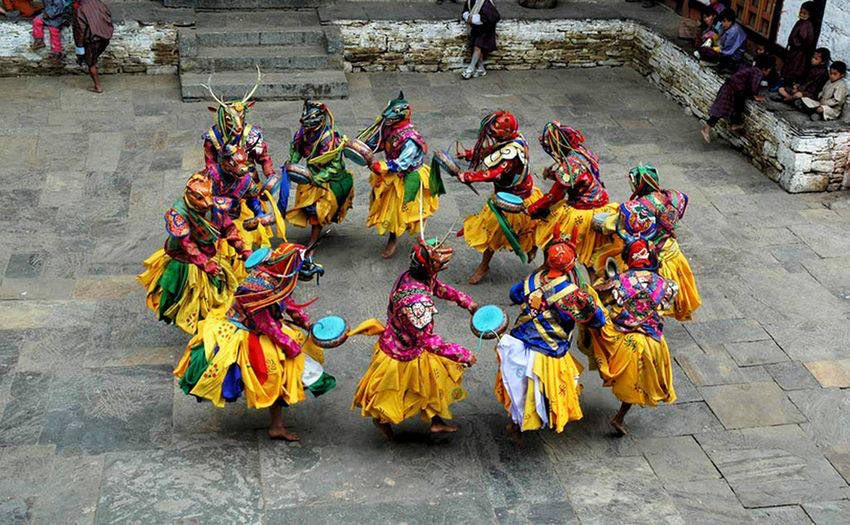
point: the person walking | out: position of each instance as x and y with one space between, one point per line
92 31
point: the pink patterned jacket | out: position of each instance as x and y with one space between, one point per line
410 320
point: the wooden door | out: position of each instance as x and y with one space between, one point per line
760 16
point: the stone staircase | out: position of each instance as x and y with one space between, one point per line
299 58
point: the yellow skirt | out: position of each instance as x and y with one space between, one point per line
589 240
327 208
634 365
392 391
674 266
219 345
552 389
199 296
482 231
388 212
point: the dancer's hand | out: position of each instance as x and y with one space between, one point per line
472 360
245 254
212 268
473 307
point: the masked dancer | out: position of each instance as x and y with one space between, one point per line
500 156
258 348
327 197
413 370
577 192
537 379
630 351
188 277
404 193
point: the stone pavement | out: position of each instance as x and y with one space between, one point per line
94 429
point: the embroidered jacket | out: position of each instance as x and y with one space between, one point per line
410 320
576 179
653 216
251 139
639 295
403 146
506 166
193 236
550 309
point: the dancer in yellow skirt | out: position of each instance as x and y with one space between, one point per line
327 196
500 156
537 379
404 191
577 193
653 213
188 278
413 370
630 351
252 350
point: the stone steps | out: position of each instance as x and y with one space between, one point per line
297 56
289 85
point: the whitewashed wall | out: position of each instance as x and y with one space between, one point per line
835 31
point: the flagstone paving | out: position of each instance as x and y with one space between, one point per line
94 430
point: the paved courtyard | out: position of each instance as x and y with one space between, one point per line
94 428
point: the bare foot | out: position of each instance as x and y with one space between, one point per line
514 433
479 274
438 426
283 433
736 128
620 428
96 89
385 429
389 251
706 133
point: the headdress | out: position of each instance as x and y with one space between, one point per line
198 193
316 115
640 254
495 128
234 160
644 179
429 257
230 115
561 253
396 113
274 279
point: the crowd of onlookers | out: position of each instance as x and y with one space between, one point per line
90 20
809 79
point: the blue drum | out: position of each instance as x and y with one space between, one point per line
508 202
489 321
329 332
258 256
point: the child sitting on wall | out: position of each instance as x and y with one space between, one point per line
812 83
730 48
832 97
734 93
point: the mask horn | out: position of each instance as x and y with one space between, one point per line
250 94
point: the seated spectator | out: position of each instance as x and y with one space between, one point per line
719 5
481 16
709 29
23 8
832 97
812 83
730 48
734 93
801 46
56 15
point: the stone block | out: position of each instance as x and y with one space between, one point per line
708 501
748 353
677 459
828 512
751 405
791 375
839 457
828 414
718 369
783 515
831 373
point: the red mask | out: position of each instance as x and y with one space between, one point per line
640 254
561 253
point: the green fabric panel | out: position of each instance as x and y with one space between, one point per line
436 183
342 187
411 185
197 366
172 282
509 232
323 385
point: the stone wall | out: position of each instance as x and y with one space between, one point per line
523 44
800 157
134 48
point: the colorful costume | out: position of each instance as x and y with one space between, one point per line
500 156
251 349
577 193
403 191
330 194
188 278
413 370
537 380
652 213
630 351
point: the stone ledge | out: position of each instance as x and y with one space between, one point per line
802 156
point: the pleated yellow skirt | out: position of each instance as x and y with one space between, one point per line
221 344
557 383
634 365
589 240
388 213
482 231
392 391
327 208
199 295
674 266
